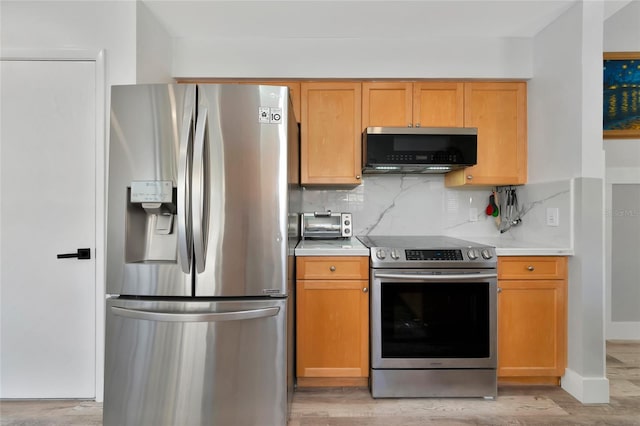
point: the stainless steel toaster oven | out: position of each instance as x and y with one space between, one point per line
326 225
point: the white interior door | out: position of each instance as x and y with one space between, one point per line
48 206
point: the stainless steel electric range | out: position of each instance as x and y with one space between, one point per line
433 317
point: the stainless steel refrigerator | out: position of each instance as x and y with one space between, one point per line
202 221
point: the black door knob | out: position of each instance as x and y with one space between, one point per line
82 253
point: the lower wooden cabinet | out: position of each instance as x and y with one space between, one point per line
532 319
332 321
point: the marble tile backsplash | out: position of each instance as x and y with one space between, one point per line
534 201
421 205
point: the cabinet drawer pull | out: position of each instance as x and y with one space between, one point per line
530 268
332 268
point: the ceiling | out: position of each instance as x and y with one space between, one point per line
202 19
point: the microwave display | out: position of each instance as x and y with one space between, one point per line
403 143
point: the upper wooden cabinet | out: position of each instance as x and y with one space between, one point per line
499 111
412 104
438 104
387 104
330 150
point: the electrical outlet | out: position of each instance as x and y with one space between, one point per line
553 216
473 214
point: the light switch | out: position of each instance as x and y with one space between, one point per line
553 216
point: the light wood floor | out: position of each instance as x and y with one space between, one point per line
515 405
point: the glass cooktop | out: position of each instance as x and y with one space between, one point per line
416 242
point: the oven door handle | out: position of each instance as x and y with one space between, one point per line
435 277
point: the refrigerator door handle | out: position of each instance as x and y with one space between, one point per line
185 238
198 208
195 317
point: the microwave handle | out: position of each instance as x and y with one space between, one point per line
322 214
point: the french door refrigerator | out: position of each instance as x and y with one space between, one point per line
203 198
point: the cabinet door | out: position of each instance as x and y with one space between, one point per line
331 133
387 104
438 104
332 338
499 111
532 328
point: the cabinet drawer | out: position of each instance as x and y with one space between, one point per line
532 267
332 267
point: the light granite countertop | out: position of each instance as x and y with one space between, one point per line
504 247
338 247
508 247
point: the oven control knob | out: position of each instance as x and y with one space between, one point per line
380 254
486 254
395 254
473 254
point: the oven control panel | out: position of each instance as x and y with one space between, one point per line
396 257
433 254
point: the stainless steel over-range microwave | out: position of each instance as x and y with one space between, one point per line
418 149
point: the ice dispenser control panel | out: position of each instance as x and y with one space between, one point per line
153 191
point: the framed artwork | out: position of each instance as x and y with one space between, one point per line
621 95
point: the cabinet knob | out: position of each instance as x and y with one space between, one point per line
530 268
499 290
365 290
469 177
357 176
417 124
410 125
332 268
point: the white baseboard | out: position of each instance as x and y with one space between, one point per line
623 330
588 390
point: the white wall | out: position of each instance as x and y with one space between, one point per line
461 57
555 101
621 34
91 25
61 30
565 143
137 47
621 30
153 48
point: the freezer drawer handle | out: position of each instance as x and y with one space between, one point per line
82 253
195 317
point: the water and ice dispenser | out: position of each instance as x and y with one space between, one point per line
151 231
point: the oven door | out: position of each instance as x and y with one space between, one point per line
435 319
